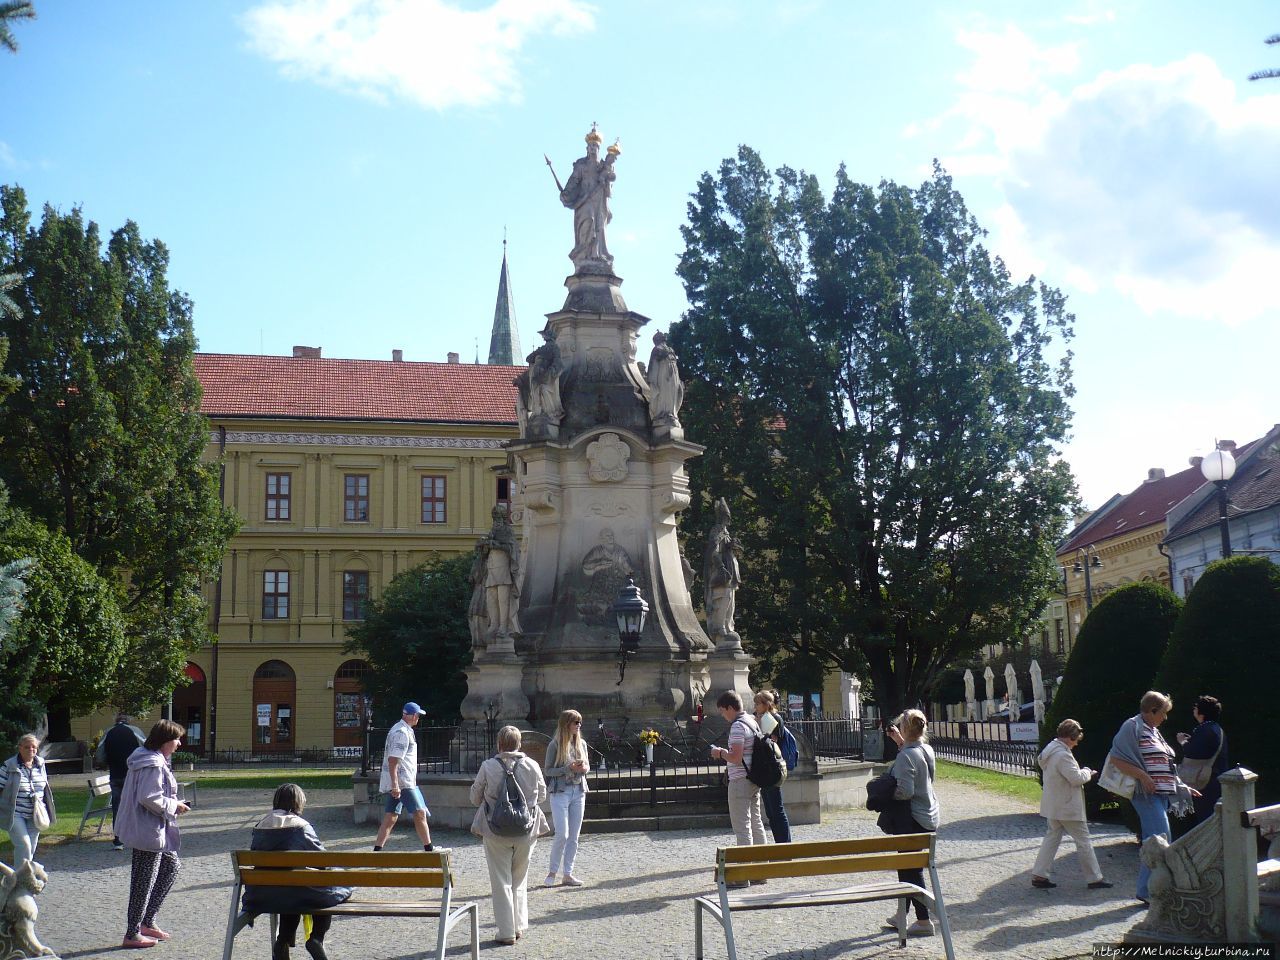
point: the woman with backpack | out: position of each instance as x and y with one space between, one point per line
565 769
507 792
771 797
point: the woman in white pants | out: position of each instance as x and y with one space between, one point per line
508 856
565 769
1062 804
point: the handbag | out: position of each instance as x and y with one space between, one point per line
1113 781
40 814
1197 773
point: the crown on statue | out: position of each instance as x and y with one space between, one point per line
594 136
615 148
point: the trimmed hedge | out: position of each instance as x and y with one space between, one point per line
1112 664
1225 645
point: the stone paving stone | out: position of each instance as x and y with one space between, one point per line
637 904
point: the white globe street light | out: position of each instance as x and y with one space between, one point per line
1218 468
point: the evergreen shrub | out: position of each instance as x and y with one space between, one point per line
1225 645
1112 664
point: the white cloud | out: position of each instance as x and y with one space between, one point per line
1156 182
430 52
7 159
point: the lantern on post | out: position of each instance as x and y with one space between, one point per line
631 609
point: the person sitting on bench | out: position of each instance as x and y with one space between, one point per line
284 829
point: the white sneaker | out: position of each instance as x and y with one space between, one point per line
570 881
921 928
550 881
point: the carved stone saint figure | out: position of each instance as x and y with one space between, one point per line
663 375
477 616
501 576
539 386
587 193
721 575
606 567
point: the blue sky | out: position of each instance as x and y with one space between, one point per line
339 173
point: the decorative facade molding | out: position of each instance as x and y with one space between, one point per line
357 440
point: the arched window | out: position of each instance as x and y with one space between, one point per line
349 704
189 708
274 695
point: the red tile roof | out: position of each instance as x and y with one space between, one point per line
1148 504
239 385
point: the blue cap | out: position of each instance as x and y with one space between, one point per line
412 707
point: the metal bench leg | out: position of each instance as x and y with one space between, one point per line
943 921
697 930
229 944
475 932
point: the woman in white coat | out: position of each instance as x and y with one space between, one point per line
1062 804
508 857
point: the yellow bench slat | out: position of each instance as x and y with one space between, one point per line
327 858
824 866
341 878
824 848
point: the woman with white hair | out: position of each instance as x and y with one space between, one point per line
508 855
24 786
1062 805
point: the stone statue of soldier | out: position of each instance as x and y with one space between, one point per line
501 577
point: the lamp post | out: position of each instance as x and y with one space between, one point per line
630 609
1218 468
1087 557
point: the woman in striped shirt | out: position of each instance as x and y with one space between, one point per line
23 784
1140 739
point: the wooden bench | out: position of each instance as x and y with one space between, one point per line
776 861
98 808
406 871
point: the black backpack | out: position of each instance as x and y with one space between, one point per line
768 769
510 815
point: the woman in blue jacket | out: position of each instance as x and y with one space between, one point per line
284 829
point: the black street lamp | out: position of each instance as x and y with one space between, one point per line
1087 557
630 609
1218 468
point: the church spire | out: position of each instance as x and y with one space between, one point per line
504 341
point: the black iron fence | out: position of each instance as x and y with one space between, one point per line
631 788
832 736
1007 756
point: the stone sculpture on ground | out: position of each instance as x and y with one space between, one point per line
18 911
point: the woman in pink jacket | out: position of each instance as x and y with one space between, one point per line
148 822
1062 804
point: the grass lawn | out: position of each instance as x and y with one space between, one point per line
70 801
1006 784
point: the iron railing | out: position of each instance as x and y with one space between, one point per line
832 736
689 786
1007 756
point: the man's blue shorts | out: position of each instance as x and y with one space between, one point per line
410 802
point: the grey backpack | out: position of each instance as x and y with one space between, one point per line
510 815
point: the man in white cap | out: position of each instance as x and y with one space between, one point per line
399 780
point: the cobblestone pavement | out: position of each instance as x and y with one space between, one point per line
637 904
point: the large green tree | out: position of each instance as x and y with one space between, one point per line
104 441
417 640
882 406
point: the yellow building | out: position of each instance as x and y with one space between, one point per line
1120 543
343 474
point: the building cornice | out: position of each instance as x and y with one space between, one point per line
264 438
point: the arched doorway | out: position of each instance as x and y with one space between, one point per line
273 708
349 704
189 708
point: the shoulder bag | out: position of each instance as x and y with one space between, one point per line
1197 773
40 814
1113 781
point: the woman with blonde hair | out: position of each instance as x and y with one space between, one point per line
914 769
565 768
775 811
24 783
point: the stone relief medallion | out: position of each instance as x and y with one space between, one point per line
607 459
600 366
